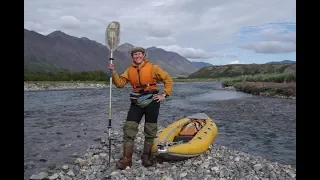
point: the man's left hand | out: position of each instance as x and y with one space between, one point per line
158 97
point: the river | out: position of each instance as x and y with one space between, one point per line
59 124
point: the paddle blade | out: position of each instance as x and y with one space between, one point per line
112 36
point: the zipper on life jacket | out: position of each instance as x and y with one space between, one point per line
139 77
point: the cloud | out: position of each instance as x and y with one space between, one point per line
192 53
275 47
283 32
234 62
69 22
159 32
201 26
92 23
231 56
34 26
189 52
288 37
271 38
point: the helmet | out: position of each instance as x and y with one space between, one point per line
137 49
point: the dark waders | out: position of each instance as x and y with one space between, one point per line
130 130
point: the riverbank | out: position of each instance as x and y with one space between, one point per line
218 162
60 85
280 85
270 89
55 85
277 90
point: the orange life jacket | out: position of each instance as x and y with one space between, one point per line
192 128
142 79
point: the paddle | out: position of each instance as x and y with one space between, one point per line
112 39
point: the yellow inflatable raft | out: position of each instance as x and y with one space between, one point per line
185 138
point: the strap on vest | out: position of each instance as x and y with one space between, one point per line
144 86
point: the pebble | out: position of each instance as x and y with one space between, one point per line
65 167
237 159
42 175
218 163
75 154
257 167
54 176
70 173
184 174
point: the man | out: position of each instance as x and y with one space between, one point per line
145 100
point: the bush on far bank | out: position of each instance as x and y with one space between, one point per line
269 88
66 76
277 78
283 84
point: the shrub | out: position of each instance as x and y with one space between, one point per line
277 78
270 88
66 76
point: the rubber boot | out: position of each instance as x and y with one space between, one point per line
146 161
127 157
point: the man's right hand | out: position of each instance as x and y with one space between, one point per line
111 66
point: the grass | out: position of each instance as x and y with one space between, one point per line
71 82
268 88
282 84
235 70
57 84
276 78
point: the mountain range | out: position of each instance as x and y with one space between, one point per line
200 64
59 51
282 62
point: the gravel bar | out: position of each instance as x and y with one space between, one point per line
218 163
36 86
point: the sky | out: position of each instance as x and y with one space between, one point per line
215 31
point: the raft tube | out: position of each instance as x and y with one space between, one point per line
169 145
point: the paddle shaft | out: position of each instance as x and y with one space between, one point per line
110 112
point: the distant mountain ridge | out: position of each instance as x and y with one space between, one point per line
59 51
201 64
282 62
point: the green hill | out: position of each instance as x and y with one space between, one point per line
282 62
234 70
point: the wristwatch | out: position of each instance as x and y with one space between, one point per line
164 95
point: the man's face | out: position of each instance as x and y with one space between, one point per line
138 57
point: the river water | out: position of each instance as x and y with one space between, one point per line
59 123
